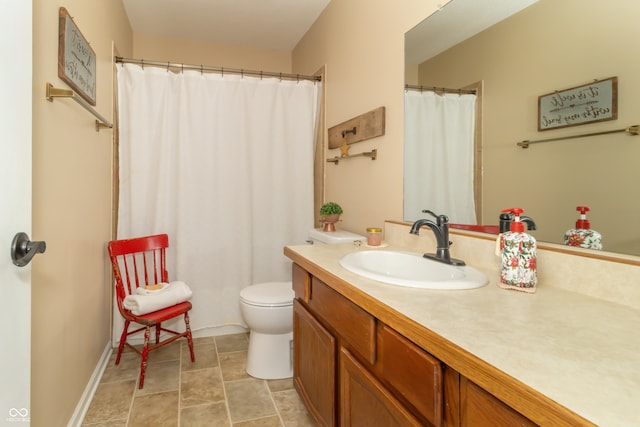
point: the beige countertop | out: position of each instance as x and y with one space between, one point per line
578 351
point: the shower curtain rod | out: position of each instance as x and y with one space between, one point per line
220 70
440 89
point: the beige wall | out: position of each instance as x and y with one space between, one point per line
71 289
553 46
362 44
196 52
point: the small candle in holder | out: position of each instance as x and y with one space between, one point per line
374 236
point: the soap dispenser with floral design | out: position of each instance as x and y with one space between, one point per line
518 256
583 236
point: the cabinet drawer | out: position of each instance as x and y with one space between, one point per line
353 324
412 372
300 282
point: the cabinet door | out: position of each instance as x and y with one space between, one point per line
364 402
314 365
480 408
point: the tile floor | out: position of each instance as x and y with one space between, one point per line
213 391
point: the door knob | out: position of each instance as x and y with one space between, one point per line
23 249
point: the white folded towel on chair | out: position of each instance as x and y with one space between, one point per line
147 301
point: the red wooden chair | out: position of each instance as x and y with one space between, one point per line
143 262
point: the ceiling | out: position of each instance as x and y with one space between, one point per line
268 24
451 25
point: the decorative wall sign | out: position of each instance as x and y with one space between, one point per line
593 102
76 58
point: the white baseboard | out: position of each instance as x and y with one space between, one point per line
83 405
213 331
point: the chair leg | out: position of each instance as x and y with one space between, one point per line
189 338
123 339
158 333
145 354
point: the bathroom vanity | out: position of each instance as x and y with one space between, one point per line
354 369
367 353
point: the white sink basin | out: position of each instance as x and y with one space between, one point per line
412 269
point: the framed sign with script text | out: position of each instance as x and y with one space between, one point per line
76 59
592 102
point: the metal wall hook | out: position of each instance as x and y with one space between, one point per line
352 130
23 250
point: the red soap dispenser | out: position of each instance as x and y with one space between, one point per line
583 236
518 256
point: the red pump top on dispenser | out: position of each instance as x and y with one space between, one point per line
516 225
583 223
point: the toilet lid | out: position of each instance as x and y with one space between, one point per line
271 294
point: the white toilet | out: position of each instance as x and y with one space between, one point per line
267 309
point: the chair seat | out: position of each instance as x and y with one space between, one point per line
159 315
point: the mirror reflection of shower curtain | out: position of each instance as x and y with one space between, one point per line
438 155
224 165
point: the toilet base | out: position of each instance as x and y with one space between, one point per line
270 357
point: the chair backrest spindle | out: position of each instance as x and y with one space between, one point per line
126 269
146 271
137 256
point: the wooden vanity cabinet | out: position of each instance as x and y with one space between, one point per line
351 369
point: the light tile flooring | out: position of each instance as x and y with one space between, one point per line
213 391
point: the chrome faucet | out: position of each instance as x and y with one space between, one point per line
441 230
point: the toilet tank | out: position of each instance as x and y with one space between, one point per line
317 236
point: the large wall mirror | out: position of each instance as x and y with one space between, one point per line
535 48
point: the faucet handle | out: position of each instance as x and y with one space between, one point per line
429 212
442 219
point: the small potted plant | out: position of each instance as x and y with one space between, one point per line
330 213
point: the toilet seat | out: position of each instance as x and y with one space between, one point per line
270 294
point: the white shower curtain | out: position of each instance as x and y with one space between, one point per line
224 165
438 156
